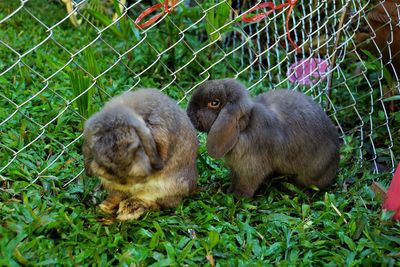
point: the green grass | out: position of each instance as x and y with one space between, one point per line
49 225
46 222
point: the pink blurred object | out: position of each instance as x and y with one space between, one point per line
308 71
392 201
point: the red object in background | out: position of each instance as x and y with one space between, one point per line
392 201
165 9
258 17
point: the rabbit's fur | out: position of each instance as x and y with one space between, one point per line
143 146
278 132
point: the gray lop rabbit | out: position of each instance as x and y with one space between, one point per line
143 147
278 132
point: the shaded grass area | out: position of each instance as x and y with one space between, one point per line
48 223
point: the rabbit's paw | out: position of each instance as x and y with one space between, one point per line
130 209
110 204
240 192
108 207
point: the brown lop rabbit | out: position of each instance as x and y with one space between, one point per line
143 147
278 132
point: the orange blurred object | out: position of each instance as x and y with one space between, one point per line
385 33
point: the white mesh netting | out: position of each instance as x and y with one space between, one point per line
59 62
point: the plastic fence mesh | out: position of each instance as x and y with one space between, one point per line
61 60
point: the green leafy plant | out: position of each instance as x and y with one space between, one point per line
123 28
92 67
80 82
374 64
217 16
103 7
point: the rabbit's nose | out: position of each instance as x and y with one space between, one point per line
200 123
195 120
200 127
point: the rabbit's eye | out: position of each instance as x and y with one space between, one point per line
215 103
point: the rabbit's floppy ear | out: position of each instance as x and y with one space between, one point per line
86 147
224 132
87 158
148 143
